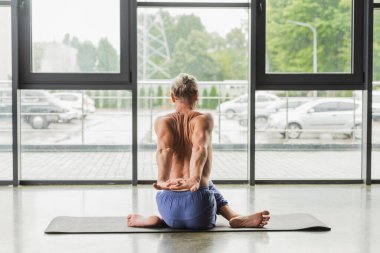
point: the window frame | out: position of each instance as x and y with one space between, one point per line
312 81
75 81
367 21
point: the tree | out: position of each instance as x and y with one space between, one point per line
38 52
108 59
191 56
213 103
150 95
142 98
290 47
160 94
233 57
204 104
376 48
86 56
86 53
180 27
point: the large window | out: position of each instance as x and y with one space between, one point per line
309 36
75 43
62 44
211 44
308 135
5 95
80 63
309 44
76 135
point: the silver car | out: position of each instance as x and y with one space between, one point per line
240 104
262 114
320 115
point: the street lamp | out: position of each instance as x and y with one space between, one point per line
314 31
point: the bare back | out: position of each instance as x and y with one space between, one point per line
182 132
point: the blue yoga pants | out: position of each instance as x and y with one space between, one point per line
190 210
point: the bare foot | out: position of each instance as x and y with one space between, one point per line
136 220
257 220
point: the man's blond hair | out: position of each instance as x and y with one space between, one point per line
185 87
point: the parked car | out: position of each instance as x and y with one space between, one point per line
240 104
74 100
38 108
262 114
325 114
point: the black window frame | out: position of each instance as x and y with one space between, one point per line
75 81
312 81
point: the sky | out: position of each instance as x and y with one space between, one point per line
52 19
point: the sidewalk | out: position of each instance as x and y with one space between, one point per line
226 165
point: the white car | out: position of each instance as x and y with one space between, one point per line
74 100
262 114
240 104
320 115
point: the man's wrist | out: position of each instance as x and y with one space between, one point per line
196 179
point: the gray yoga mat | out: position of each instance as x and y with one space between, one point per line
100 225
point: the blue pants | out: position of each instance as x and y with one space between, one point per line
191 210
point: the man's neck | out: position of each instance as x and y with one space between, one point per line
183 107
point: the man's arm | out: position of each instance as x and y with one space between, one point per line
201 139
164 152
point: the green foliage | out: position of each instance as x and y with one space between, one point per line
142 101
208 56
86 56
106 100
213 103
37 55
90 58
108 59
204 101
150 94
191 56
290 46
376 47
233 57
160 94
180 27
113 99
97 100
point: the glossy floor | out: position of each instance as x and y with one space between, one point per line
353 212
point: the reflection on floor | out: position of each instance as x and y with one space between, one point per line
351 210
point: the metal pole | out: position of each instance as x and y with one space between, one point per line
16 110
220 126
314 31
82 118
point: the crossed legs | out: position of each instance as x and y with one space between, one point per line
257 220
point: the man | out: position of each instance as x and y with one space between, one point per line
186 197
